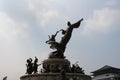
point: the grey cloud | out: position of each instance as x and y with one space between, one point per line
103 21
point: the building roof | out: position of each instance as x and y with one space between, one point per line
106 67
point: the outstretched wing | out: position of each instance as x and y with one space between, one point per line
77 24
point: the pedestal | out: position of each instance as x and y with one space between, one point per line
56 69
55 65
55 76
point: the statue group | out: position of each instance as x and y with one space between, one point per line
61 46
57 54
75 68
32 66
57 66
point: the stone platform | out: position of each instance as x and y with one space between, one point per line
56 65
56 69
55 76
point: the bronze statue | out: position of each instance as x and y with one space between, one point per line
52 39
32 67
61 46
29 66
35 65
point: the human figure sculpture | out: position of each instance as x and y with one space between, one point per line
35 65
29 66
61 46
73 68
32 67
76 69
52 39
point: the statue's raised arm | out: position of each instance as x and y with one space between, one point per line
61 46
68 32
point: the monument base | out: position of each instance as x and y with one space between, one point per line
55 65
56 69
55 76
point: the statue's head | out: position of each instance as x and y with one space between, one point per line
28 61
52 36
69 24
36 60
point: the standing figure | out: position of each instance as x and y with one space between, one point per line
73 68
35 65
29 66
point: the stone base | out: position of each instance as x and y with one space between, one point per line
57 69
55 76
55 65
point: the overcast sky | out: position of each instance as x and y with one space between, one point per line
26 24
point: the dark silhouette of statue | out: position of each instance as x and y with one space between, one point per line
35 65
32 67
29 66
77 69
52 39
73 68
61 46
